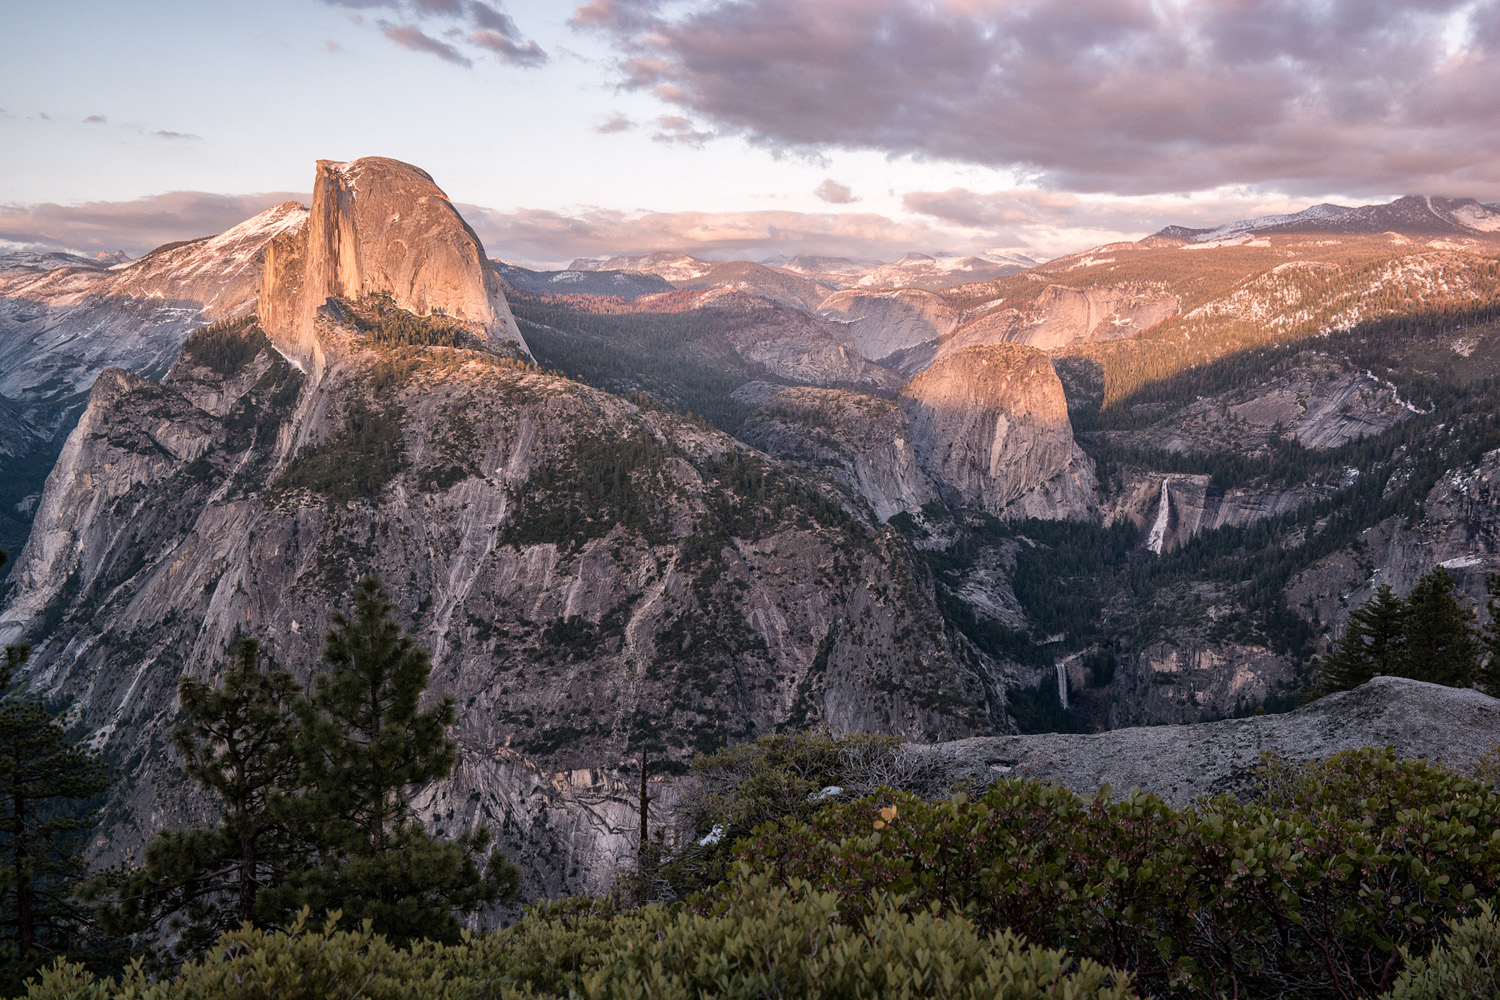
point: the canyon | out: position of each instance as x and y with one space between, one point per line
651 505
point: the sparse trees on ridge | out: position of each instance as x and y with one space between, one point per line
46 780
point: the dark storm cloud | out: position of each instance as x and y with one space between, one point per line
1123 96
485 27
133 226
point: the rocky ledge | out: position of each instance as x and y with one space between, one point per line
1180 763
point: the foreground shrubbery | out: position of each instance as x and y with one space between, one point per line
1312 891
764 941
1466 965
1360 876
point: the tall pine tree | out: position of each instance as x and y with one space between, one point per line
1373 643
1439 633
367 745
45 782
1489 673
239 742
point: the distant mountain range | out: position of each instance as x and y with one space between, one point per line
915 270
1413 215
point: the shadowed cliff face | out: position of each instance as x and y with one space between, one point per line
990 425
859 440
379 226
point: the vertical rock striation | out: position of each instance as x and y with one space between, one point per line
378 225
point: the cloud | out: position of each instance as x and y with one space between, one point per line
95 120
1055 222
163 133
133 226
551 239
1113 96
677 129
835 193
507 49
481 27
410 37
615 123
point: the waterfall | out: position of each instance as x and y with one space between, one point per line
1158 536
1062 684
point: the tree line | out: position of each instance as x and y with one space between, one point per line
314 793
1431 635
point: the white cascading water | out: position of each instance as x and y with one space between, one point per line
1158 535
1062 685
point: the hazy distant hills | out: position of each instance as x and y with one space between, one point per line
915 270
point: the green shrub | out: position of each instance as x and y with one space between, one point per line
1465 965
765 941
1310 892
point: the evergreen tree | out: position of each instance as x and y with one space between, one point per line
45 778
1489 674
1373 643
1439 632
366 746
240 743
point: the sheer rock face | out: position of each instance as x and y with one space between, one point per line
859 440
990 425
575 632
379 226
1180 763
886 323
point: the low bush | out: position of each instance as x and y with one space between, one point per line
1465 966
1311 891
762 942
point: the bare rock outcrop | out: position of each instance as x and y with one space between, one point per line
378 225
990 425
788 341
1181 763
1459 531
1321 403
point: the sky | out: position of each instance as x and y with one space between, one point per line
744 128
